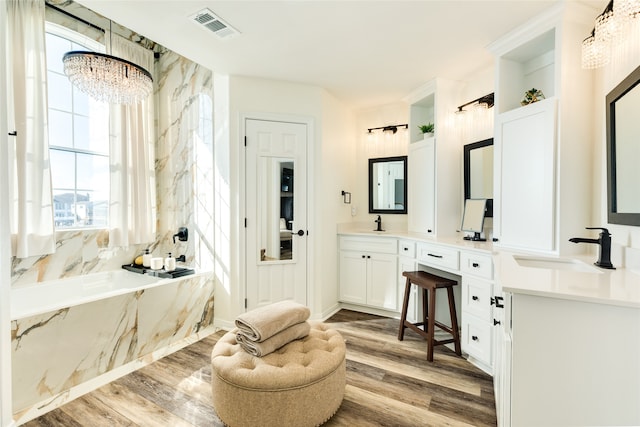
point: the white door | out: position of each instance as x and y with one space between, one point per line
276 212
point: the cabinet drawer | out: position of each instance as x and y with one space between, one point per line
379 245
476 338
476 297
407 248
438 255
478 264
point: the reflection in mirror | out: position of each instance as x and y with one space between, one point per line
623 151
473 218
275 208
478 172
388 185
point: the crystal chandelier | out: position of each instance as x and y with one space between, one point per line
106 78
611 27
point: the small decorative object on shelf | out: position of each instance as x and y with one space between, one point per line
531 96
426 129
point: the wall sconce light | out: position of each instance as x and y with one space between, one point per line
485 102
391 128
346 197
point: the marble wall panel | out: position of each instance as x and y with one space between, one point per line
56 351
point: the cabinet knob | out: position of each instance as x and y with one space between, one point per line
475 338
429 231
497 302
368 256
475 298
364 256
475 265
496 322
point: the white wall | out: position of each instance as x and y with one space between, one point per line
376 145
333 160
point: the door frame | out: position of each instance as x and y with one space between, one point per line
242 187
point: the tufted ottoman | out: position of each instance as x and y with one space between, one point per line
300 384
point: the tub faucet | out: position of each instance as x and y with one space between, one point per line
604 242
379 221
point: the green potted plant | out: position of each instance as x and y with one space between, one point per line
426 129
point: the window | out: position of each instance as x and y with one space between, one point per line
78 139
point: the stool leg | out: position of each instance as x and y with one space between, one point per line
405 306
454 321
425 308
432 323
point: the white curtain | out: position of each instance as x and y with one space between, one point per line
132 205
30 200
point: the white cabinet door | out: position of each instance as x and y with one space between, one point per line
524 202
382 286
353 277
421 186
413 311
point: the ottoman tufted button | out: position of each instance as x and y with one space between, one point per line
275 390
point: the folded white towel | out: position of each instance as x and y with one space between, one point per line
266 321
260 349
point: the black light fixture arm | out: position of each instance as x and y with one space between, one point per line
486 99
390 128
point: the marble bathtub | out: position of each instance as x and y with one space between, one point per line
71 336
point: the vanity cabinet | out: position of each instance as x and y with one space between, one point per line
368 271
569 362
407 262
477 308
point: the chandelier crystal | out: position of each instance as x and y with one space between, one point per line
106 78
612 28
626 11
594 53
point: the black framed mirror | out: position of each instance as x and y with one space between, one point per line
623 151
478 172
388 185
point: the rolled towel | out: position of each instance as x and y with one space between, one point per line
260 349
264 322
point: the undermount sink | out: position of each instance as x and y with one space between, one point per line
555 264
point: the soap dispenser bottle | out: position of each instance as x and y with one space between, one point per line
169 262
146 258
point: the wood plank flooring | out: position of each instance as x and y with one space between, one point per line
389 383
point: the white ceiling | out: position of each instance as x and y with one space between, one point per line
367 53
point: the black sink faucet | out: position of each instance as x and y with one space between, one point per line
604 242
379 221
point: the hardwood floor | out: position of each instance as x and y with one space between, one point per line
389 383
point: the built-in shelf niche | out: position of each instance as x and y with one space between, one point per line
530 65
422 112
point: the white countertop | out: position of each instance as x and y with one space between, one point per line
453 241
619 287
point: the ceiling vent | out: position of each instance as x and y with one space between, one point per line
207 19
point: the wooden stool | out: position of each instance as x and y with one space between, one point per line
429 283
